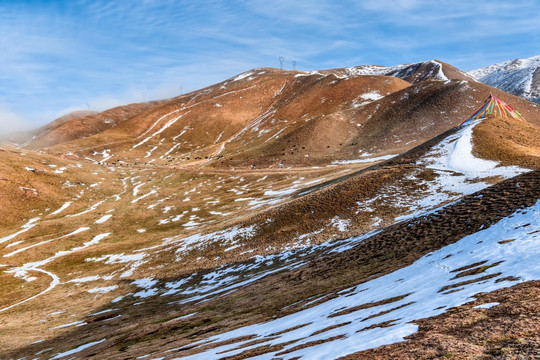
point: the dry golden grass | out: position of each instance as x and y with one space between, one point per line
30 187
508 141
17 289
298 216
271 296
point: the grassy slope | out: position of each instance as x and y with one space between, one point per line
328 274
508 142
283 293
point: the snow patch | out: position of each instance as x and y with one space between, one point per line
341 224
103 290
364 160
102 219
146 284
62 208
77 349
29 224
486 305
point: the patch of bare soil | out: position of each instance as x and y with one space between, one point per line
509 330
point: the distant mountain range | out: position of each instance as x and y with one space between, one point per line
520 77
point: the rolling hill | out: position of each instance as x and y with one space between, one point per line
277 214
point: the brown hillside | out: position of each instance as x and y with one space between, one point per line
417 73
156 325
389 188
312 122
163 214
236 115
206 113
33 183
413 73
68 117
24 138
453 72
391 125
269 117
425 110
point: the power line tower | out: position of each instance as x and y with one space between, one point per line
281 60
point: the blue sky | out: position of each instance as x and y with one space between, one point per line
59 56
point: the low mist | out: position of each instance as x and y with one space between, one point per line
11 122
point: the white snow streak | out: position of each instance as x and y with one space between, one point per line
77 349
62 208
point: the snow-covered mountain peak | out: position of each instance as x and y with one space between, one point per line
417 72
520 77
